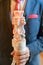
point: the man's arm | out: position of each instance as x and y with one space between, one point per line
35 45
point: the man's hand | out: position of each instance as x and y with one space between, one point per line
21 58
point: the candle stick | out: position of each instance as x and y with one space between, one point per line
18 22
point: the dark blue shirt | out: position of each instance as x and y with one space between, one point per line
33 11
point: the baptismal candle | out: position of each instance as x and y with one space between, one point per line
18 22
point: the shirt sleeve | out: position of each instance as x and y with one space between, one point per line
33 43
32 29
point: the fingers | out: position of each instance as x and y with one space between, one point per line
22 62
21 58
23 53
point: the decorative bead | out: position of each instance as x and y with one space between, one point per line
18 1
17 6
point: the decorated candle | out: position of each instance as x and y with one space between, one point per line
18 22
